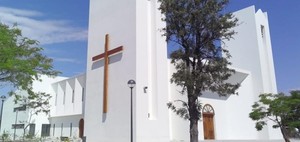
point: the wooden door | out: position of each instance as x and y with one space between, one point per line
81 128
208 114
208 126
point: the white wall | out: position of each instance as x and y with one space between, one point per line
116 18
24 116
68 109
257 54
151 72
67 96
9 117
61 126
133 24
250 57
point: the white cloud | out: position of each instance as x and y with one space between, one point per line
68 60
45 31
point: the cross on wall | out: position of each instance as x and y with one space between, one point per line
107 53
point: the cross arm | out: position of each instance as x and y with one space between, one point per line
110 52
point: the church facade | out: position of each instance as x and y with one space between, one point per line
137 50
125 42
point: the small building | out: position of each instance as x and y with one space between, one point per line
16 117
66 116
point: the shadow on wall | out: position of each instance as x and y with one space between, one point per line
112 59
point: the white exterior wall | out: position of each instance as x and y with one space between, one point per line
116 18
152 116
65 112
9 116
252 52
252 57
135 27
61 126
144 59
24 116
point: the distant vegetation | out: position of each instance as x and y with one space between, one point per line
283 110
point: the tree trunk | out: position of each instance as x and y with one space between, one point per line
194 117
284 134
193 130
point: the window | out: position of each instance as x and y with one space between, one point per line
55 99
64 100
53 129
17 126
73 95
20 108
45 130
70 129
262 30
82 96
61 129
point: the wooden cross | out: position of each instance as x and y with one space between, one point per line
106 55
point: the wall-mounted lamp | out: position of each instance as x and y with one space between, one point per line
145 89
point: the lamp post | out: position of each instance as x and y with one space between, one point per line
131 84
3 99
15 127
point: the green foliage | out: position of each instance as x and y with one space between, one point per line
198 27
21 59
5 136
281 109
37 102
22 62
32 138
183 111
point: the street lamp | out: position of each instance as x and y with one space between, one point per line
131 84
3 99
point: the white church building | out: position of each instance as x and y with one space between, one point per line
135 25
95 106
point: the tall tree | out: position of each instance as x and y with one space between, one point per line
21 61
282 110
198 28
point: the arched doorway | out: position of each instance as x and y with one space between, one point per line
208 121
81 128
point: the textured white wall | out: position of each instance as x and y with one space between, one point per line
151 72
144 57
118 19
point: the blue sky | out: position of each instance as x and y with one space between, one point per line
61 27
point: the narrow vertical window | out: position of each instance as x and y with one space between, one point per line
82 96
45 130
64 100
262 30
61 129
53 129
73 95
31 129
70 129
55 99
